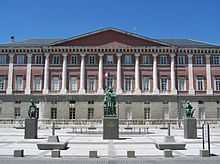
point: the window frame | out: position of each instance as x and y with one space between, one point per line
3 59
56 59
20 59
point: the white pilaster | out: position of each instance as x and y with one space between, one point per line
155 79
46 73
64 74
82 75
190 75
137 75
28 75
100 78
209 89
172 74
118 87
10 74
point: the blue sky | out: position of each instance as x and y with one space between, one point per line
195 19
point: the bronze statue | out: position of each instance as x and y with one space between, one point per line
189 111
33 110
110 103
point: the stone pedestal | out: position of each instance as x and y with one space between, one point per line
110 128
93 154
131 154
168 153
204 153
190 128
55 153
31 128
19 153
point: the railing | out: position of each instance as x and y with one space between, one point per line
69 123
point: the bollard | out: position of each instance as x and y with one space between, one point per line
19 153
131 154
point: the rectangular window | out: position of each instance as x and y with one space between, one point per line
90 113
74 59
109 59
53 113
56 59
72 113
3 59
2 83
181 59
146 59
17 113
91 84
55 86
20 59
199 59
146 113
92 59
73 84
217 83
200 83
216 59
37 83
163 59
128 83
127 59
109 81
19 83
0 111
181 84
38 59
218 113
145 83
164 84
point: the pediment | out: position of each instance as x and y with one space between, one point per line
111 38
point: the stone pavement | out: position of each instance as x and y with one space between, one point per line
81 144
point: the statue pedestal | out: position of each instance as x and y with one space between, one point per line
110 128
190 128
31 128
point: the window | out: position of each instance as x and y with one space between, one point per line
37 83
53 113
56 59
146 113
163 59
127 59
181 59
55 86
200 83
217 83
19 83
20 59
0 111
38 59
72 113
216 59
128 83
90 113
146 59
164 84
91 84
17 112
74 59
109 81
181 84
109 59
218 113
92 59
146 83
199 59
3 59
2 83
73 84
91 102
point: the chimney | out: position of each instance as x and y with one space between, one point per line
12 38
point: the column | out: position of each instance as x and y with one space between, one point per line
28 75
172 74
64 75
46 73
190 75
155 82
10 74
82 75
100 78
137 74
118 87
209 89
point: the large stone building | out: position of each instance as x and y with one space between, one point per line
152 77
